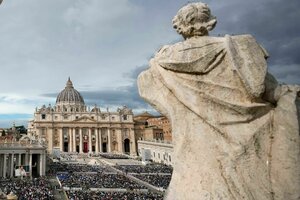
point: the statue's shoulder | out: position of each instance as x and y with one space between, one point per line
250 42
194 55
189 45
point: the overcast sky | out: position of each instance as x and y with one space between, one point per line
104 44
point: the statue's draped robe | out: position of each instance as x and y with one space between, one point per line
220 72
221 80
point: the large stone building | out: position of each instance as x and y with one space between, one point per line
71 126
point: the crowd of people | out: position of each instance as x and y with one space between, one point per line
98 180
95 195
80 178
37 188
161 181
54 168
149 168
113 156
68 156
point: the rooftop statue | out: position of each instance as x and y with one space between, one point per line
235 129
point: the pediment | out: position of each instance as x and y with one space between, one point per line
84 119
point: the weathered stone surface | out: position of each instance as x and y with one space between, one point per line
235 129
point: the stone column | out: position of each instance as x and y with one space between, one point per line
90 140
74 139
1 166
30 164
70 141
12 165
50 140
8 165
42 164
19 159
4 165
108 140
61 142
26 158
100 139
80 141
97 140
132 142
120 140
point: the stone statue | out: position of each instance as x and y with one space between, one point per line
235 129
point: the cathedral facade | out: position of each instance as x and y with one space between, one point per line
71 126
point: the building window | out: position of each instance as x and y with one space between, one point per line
92 117
102 116
124 117
158 155
55 117
76 117
65 117
170 158
112 118
154 154
43 116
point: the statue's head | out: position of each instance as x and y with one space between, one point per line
194 19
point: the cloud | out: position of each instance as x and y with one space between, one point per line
7 120
273 24
99 43
115 97
286 72
16 104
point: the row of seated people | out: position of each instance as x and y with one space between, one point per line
113 156
161 181
149 168
54 168
93 195
37 188
98 180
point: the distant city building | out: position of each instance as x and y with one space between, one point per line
154 136
163 123
71 126
156 151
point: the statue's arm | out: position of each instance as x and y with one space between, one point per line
266 54
272 89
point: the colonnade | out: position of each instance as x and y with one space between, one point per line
13 159
91 140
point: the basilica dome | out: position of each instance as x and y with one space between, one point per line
69 95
